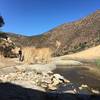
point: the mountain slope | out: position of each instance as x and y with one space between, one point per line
78 35
74 37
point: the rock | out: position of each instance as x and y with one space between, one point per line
68 87
28 77
44 74
47 80
70 91
58 76
95 91
28 84
84 86
49 72
44 85
51 87
80 88
85 91
66 81
55 81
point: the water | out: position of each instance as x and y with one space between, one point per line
80 75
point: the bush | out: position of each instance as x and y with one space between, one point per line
97 62
3 35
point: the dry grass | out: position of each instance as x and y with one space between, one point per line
43 55
28 53
36 55
90 54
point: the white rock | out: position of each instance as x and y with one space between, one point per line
55 81
84 86
49 72
70 91
95 91
51 87
58 76
66 81
44 85
80 88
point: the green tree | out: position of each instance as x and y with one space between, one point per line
1 21
2 34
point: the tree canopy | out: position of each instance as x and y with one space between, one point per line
1 21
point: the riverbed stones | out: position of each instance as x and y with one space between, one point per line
43 81
95 91
29 78
83 86
28 84
51 87
57 79
60 78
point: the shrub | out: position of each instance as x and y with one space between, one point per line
36 55
97 62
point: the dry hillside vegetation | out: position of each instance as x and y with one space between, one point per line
36 55
74 37
89 54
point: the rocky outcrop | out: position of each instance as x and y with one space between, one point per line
6 46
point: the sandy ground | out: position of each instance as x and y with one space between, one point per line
7 62
67 60
90 54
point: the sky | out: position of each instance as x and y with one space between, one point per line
33 17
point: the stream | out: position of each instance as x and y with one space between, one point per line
79 75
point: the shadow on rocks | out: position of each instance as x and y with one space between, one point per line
10 91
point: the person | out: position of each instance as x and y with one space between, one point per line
20 54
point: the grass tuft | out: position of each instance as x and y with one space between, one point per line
97 62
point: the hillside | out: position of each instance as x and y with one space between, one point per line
74 36
89 54
78 35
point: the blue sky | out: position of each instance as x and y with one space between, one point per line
32 17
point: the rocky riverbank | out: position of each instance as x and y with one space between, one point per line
45 81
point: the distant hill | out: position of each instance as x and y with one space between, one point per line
74 36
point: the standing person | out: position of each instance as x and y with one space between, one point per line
20 54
